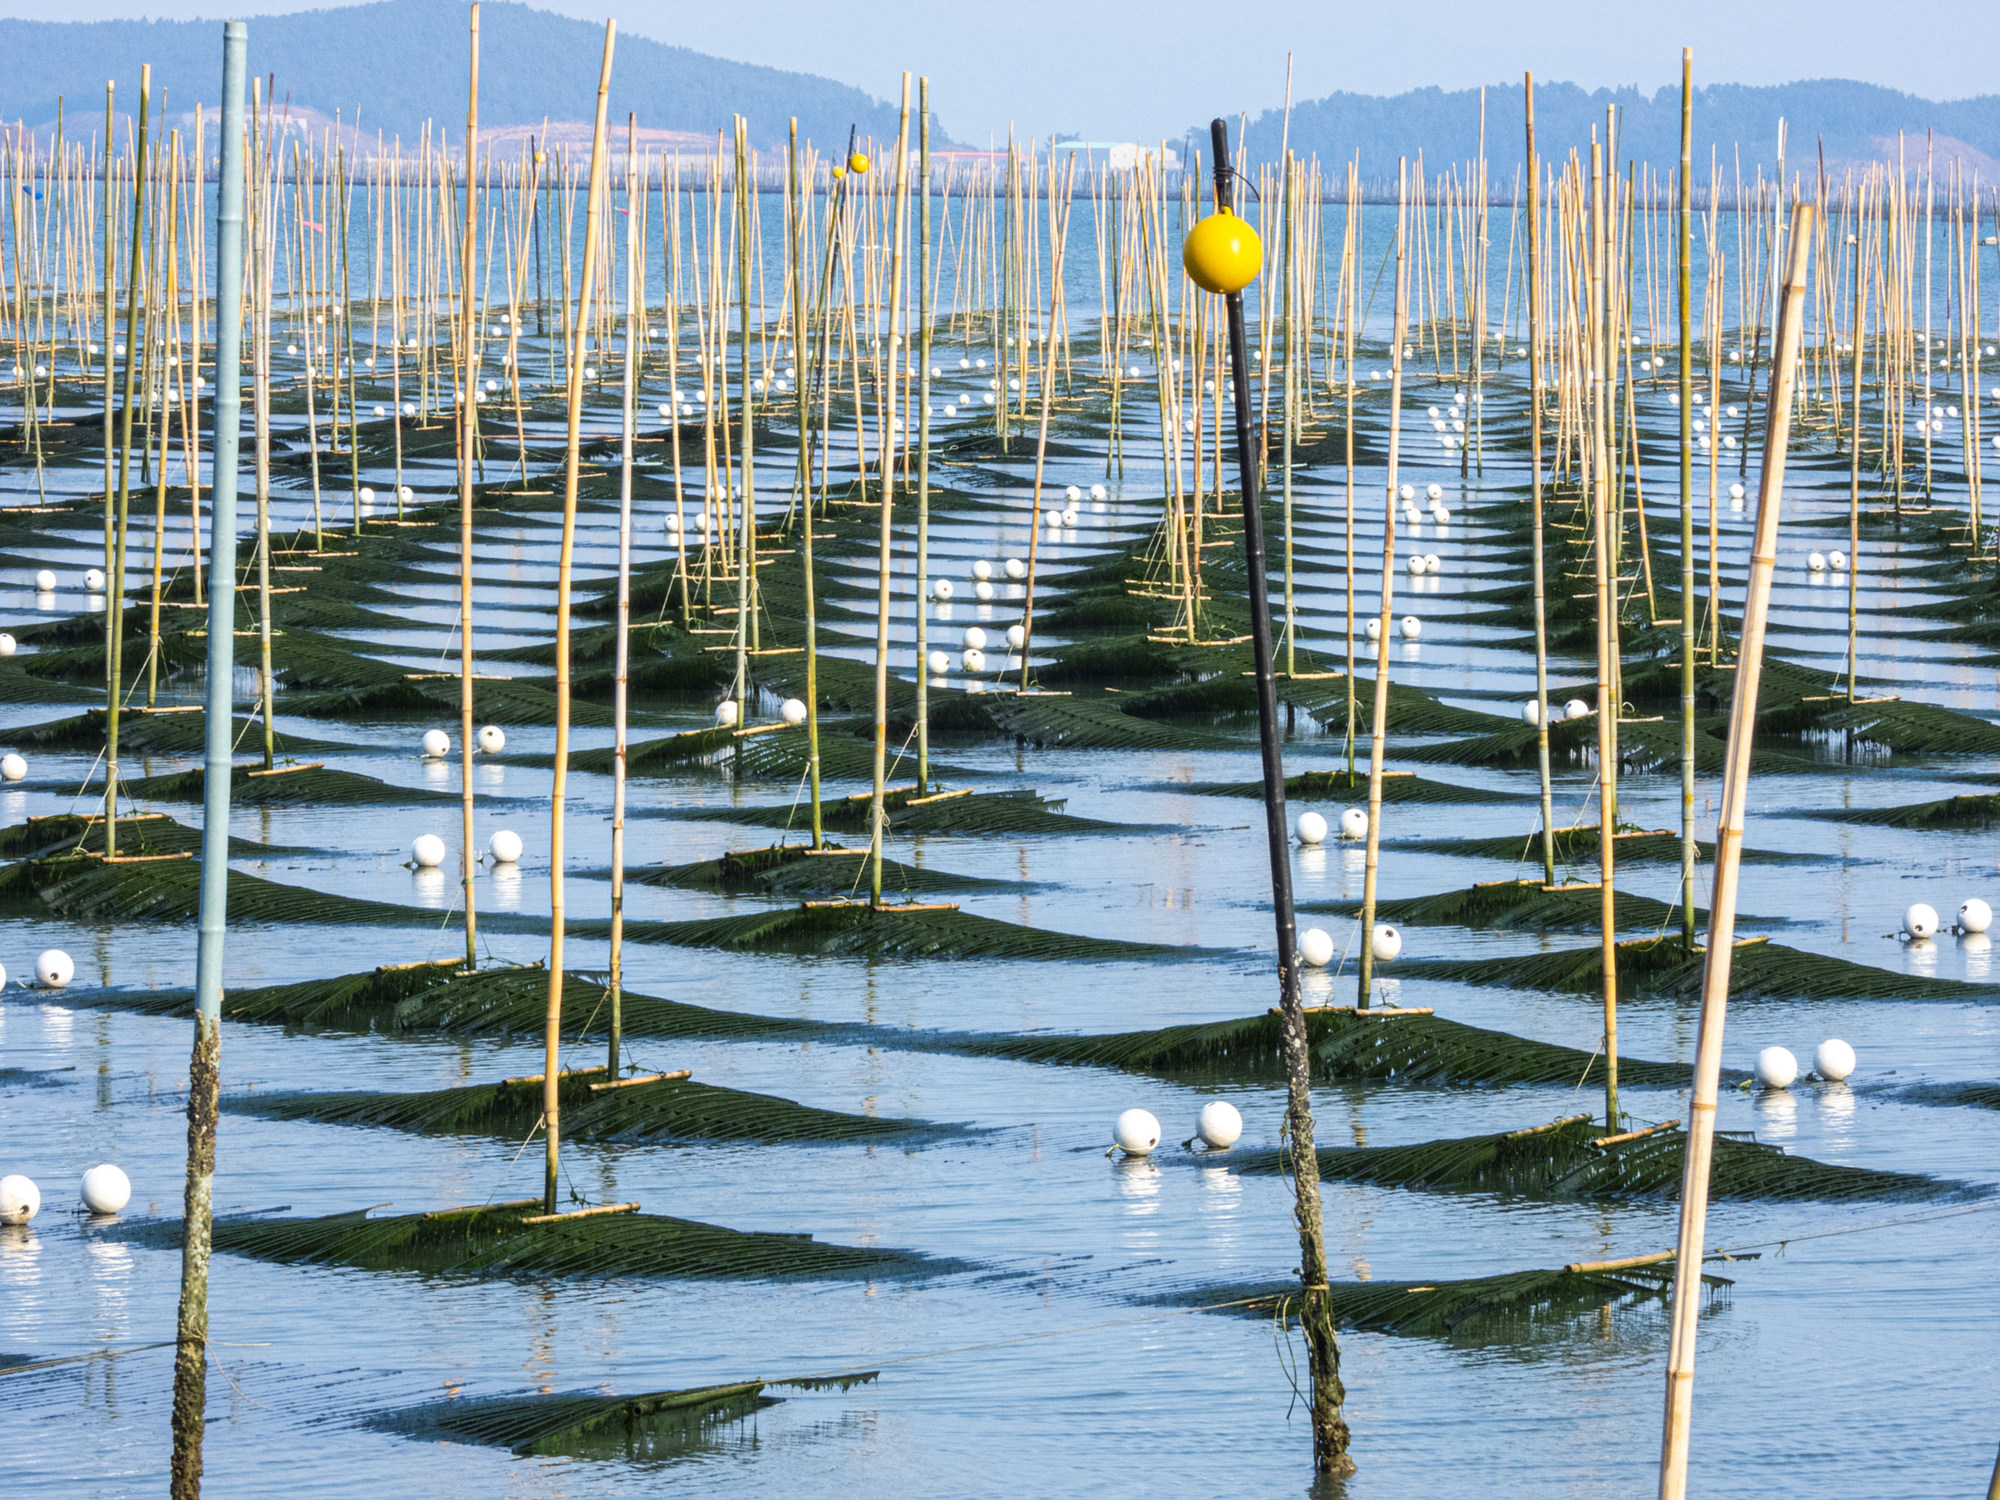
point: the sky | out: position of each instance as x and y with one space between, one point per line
1143 71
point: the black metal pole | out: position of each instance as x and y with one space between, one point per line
1330 1434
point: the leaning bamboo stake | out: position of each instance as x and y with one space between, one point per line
468 436
1380 732
1677 1426
204 1069
593 214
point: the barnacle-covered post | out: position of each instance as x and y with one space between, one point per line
1222 256
204 1072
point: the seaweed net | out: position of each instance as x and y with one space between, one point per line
909 811
798 871
656 1427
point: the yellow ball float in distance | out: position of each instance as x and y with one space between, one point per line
839 172
857 163
1222 253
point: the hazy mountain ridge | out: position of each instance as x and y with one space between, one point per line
400 63
1853 122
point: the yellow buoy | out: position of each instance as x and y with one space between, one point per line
839 172
857 163
1222 253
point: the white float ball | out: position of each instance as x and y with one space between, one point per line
792 711
1408 492
1921 921
54 969
404 494
1412 627
1315 947
105 1189
1576 708
975 638
1098 492
12 767
1072 494
367 495
1432 562
20 1199
45 581
983 591
974 659
1016 568
1833 1060
492 739
1816 562
1776 1068
93 580
1354 823
1434 493
1374 630
1017 636
1531 713
1736 492
1219 1125
1417 565
1837 561
725 713
982 569
1387 943
1974 916
942 588
7 644
1136 1132
940 663
505 846
428 850
436 743
1312 828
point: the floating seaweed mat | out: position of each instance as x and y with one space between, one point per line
800 871
1397 786
138 833
1976 811
167 888
36 1078
1059 720
502 1240
1524 904
1973 1095
1575 1158
1573 845
1480 1309
1404 1046
440 999
1761 970
153 732
657 1427
324 678
777 752
664 1109
286 786
855 929
1018 811
1640 746
1411 711
18 685
1904 728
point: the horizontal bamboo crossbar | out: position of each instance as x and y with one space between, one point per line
582 1213
632 1083
311 765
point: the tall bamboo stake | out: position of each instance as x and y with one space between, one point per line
114 583
204 1067
593 212
924 436
1600 335
1677 1425
620 690
878 816
468 436
1534 275
1684 256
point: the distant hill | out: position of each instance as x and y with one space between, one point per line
1856 122
403 62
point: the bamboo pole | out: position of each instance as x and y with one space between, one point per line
1380 732
1684 255
1330 1432
468 437
621 690
878 817
1677 1425
1599 335
204 1068
552 1040
114 582
1534 279
924 438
